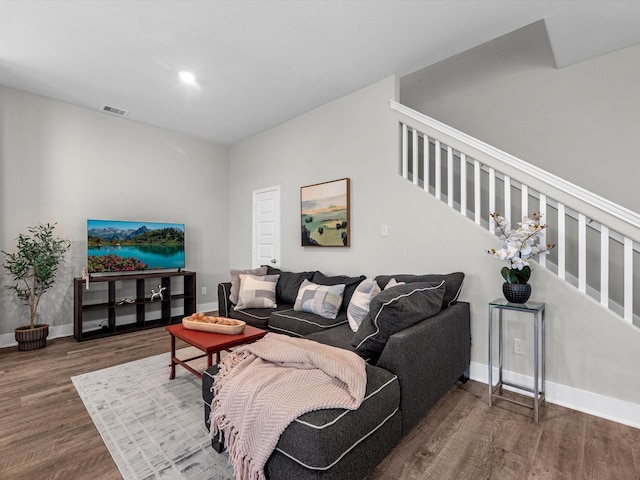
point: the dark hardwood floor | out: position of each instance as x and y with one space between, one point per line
46 433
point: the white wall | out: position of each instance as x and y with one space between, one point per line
589 349
346 138
62 163
579 122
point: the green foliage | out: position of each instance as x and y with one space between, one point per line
513 275
34 265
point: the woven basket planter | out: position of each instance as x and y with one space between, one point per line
32 338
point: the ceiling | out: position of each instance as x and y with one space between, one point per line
260 63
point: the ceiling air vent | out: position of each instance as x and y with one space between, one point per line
114 111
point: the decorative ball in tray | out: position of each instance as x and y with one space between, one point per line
200 321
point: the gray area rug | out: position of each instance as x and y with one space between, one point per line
152 426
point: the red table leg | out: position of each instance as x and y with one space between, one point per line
172 372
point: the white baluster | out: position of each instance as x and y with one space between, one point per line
525 200
628 279
492 197
405 151
463 184
542 259
450 176
476 191
438 170
427 161
582 253
561 241
415 157
604 265
507 197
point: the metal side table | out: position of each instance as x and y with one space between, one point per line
538 390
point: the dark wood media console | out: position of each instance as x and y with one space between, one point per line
117 304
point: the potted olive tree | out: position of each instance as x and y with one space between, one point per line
33 268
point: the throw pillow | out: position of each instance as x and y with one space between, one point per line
393 283
359 304
235 280
288 284
453 285
394 310
350 285
323 300
257 291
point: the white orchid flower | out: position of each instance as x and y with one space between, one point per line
521 243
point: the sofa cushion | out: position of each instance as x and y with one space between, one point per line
300 324
235 280
360 300
350 285
257 291
339 336
320 438
258 317
288 284
323 300
394 310
453 284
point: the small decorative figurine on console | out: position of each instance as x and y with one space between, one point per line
158 294
85 277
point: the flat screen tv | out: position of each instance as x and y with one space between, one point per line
125 246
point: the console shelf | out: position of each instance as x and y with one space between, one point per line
117 304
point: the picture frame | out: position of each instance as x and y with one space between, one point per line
325 216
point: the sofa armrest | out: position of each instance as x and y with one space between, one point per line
224 304
428 358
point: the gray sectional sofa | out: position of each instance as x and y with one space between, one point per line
417 342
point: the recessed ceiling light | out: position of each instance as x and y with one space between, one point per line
187 77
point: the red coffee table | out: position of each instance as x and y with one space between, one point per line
209 343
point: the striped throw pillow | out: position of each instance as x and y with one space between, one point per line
359 304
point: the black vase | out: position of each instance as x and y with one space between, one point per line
516 292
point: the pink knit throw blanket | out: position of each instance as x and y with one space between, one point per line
262 387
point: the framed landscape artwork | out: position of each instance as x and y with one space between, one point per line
325 220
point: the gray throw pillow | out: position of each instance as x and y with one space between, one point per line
288 284
394 310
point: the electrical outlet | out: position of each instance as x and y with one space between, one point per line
384 230
204 290
518 346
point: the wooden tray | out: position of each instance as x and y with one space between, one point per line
214 327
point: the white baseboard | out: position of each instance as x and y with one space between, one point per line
591 403
8 339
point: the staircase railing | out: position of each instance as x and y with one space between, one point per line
597 247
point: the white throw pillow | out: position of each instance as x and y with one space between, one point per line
235 280
359 304
323 300
257 291
393 283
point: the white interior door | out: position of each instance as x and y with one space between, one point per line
266 227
